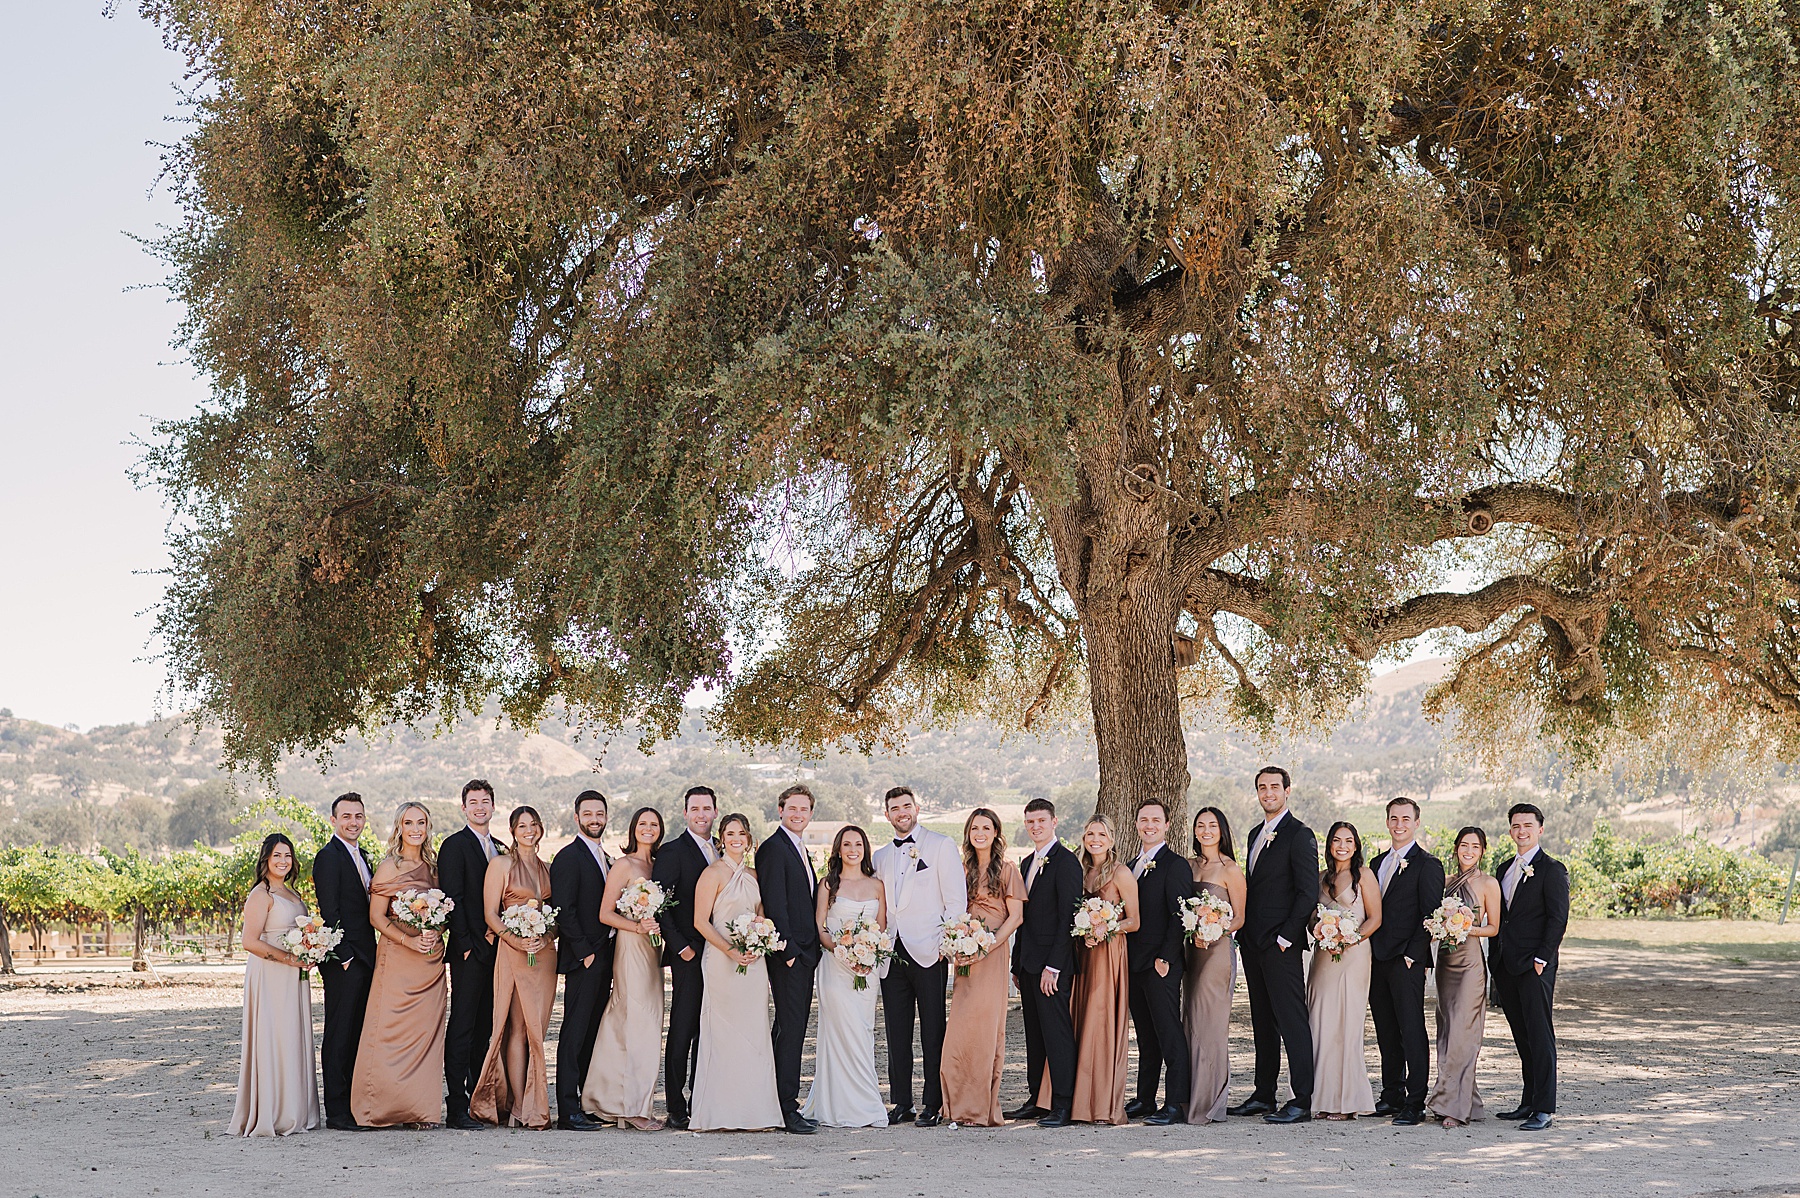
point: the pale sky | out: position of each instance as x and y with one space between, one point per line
85 363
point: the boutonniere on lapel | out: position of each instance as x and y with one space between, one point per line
1404 862
1527 870
1150 865
1269 839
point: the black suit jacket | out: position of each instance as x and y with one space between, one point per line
677 869
1414 893
1044 940
1532 926
576 888
343 903
788 884
1283 889
1161 889
462 874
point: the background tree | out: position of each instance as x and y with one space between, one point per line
876 365
203 814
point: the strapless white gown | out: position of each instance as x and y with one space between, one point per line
845 1091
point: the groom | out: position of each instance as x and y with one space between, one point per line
790 891
1412 886
922 873
1534 914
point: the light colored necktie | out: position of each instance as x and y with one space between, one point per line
1037 859
1512 879
1256 853
362 868
1390 866
1137 867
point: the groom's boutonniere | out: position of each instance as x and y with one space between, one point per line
1404 862
1269 839
1527 870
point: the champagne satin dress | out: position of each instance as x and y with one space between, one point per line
1206 986
621 1081
1462 982
399 1074
513 1086
278 1086
975 1030
1101 1009
734 1083
1337 1002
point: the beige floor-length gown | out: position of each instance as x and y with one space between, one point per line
621 1081
975 1030
1462 981
734 1081
1206 986
1337 1000
278 1085
1101 1010
399 1074
513 1086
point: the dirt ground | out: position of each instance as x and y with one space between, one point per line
1680 1076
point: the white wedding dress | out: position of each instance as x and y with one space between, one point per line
845 1091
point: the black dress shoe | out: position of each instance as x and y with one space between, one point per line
1293 1112
1384 1108
1137 1108
1253 1106
800 1126
902 1114
1538 1122
579 1121
1056 1118
1409 1117
1169 1114
1514 1115
344 1125
676 1123
1030 1110
463 1121
930 1119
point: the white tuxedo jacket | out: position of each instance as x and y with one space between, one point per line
922 888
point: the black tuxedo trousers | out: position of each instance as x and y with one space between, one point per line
912 991
1277 984
1156 1018
585 992
1528 999
681 1052
346 1002
471 1024
1049 1037
791 988
1397 1003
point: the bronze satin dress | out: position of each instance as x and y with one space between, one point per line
975 1029
1462 981
514 1083
627 1060
1206 986
278 1087
1101 1009
399 1074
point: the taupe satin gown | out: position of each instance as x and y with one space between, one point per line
1337 1001
278 1085
975 1030
513 1086
621 1081
1101 1010
1206 986
399 1074
734 1080
1462 981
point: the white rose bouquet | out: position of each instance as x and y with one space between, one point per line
1205 917
312 940
423 910
966 941
644 899
1097 921
1336 931
529 920
1450 923
753 936
862 948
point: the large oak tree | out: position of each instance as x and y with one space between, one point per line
874 363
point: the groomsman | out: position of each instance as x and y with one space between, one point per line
584 954
677 869
790 890
1283 891
341 875
1044 964
1412 886
462 873
922 872
1534 914
1155 953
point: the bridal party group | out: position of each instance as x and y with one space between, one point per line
440 964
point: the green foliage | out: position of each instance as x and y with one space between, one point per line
1688 876
204 814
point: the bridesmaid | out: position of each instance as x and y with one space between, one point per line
1211 972
278 1091
734 1082
513 1086
1462 982
399 1074
975 1030
1337 992
1101 1004
621 1081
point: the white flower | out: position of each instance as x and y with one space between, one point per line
1527 870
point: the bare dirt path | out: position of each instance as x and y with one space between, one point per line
1681 1076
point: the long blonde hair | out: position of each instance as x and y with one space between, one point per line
427 853
1103 867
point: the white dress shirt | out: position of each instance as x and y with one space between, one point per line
1515 874
594 848
1268 830
1390 865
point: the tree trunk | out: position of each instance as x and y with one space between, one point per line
6 957
139 960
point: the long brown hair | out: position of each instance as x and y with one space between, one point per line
834 869
989 884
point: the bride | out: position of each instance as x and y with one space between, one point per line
845 1092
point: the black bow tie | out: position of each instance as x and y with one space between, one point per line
903 840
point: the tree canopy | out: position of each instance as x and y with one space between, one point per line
874 364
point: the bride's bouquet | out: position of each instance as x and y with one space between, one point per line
1451 922
423 910
529 920
1097 921
644 899
862 948
312 940
1336 931
966 940
754 936
1205 916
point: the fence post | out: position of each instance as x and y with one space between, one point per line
1789 900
